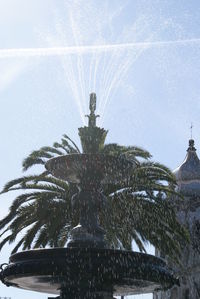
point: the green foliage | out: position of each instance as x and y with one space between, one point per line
139 209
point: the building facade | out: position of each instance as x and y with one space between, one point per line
188 213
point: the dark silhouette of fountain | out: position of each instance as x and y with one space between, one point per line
87 268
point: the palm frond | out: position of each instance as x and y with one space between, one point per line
52 150
127 151
30 235
15 249
4 241
73 143
42 238
30 161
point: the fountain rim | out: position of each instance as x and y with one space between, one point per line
112 168
118 267
93 155
61 251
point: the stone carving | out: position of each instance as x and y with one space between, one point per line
92 117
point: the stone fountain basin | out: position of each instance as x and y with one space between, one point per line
83 269
73 168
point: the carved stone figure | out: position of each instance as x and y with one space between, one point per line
92 117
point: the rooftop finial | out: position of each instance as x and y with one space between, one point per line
191 145
92 117
191 129
191 141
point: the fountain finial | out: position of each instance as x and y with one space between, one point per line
93 100
92 137
92 117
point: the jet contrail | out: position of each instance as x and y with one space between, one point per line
57 51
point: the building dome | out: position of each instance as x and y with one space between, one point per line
188 173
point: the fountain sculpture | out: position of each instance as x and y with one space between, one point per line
87 268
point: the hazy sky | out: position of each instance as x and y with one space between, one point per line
147 95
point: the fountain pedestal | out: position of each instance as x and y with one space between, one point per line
89 172
88 232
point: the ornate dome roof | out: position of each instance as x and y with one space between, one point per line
188 173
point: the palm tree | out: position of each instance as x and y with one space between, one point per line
140 209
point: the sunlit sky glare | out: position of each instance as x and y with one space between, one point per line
147 96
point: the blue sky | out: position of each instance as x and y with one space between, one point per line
147 96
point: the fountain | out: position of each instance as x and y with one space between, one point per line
87 268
